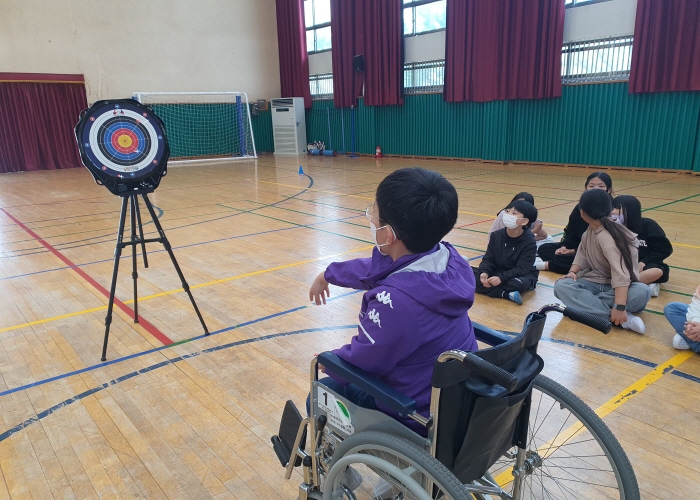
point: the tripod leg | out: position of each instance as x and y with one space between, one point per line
134 270
138 221
166 244
113 289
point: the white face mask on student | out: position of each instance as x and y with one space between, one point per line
374 230
510 221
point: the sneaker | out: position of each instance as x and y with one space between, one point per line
655 288
634 323
539 264
515 297
680 343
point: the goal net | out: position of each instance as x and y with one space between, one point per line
204 126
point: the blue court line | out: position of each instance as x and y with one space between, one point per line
83 395
156 349
686 376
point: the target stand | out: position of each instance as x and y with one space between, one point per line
123 145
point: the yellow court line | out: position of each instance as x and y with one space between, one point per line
170 292
605 409
684 245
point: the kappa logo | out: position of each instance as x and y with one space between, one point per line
374 316
385 298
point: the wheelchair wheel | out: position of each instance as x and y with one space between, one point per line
376 465
571 453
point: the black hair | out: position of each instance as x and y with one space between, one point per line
521 196
597 204
527 209
603 177
420 205
631 210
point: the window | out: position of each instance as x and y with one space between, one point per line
423 16
321 86
317 14
425 76
574 3
608 59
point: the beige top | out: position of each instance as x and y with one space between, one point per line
601 261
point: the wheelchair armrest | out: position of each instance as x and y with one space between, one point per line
384 394
489 335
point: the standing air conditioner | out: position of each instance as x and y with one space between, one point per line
289 125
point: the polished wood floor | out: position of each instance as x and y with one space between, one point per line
193 419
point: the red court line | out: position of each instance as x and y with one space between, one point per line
130 312
474 223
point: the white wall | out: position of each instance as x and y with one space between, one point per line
600 20
424 47
123 46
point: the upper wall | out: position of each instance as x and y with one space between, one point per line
127 46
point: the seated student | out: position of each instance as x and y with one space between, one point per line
541 236
558 257
685 319
604 278
654 247
508 268
419 290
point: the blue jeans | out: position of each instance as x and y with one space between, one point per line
675 313
349 391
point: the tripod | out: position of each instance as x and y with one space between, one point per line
132 200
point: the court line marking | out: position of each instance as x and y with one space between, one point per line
607 408
170 292
146 325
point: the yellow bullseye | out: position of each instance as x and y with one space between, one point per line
124 141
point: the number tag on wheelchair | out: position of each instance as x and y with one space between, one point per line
337 413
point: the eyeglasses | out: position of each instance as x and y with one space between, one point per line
369 211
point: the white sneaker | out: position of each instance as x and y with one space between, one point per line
539 264
655 288
680 343
634 323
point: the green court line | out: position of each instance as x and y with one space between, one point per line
676 212
671 202
685 269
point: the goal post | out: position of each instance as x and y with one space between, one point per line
204 126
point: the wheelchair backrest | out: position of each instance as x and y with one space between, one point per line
478 420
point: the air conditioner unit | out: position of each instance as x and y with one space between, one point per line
289 125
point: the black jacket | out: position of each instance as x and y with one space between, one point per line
653 244
508 257
573 232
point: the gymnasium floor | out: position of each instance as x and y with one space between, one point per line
175 415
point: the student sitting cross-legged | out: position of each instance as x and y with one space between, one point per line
418 290
508 268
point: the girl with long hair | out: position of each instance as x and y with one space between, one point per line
541 236
654 246
604 278
558 257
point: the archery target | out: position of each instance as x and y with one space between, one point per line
123 140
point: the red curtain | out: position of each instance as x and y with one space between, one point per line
373 29
666 50
37 117
294 60
503 49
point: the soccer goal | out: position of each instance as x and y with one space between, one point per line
204 126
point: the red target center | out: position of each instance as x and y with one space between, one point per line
125 141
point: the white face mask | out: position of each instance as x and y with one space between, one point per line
374 230
511 221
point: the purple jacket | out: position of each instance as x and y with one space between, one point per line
414 310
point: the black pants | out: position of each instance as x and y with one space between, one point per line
556 263
520 284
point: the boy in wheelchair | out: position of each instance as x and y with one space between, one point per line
419 291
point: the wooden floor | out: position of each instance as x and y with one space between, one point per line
194 419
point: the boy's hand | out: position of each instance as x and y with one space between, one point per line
494 280
536 226
484 278
570 275
641 266
617 317
692 330
319 290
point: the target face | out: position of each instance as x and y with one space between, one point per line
122 139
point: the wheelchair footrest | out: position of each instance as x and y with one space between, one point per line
283 443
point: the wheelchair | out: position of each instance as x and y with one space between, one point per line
497 429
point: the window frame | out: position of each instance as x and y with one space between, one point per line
314 28
582 3
418 3
317 78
